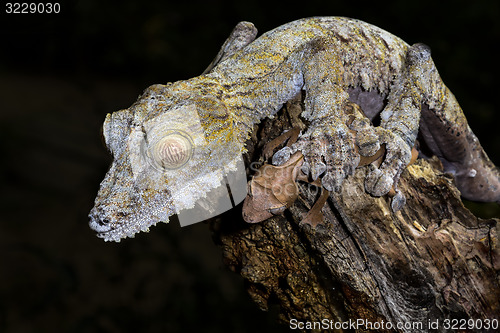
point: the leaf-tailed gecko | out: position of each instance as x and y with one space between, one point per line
178 140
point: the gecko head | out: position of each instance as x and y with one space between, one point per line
167 154
123 207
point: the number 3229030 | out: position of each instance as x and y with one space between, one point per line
32 8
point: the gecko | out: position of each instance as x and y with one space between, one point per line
273 188
180 139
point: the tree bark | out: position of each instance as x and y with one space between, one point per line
433 260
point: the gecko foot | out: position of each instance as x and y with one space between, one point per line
381 180
330 151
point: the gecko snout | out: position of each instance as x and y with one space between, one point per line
99 225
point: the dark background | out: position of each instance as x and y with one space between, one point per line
59 76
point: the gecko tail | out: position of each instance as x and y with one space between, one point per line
458 148
478 179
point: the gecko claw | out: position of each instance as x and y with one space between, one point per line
398 201
306 168
317 170
281 156
332 181
368 145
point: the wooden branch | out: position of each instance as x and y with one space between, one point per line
431 260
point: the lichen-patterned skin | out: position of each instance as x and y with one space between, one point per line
333 60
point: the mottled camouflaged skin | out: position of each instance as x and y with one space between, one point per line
333 60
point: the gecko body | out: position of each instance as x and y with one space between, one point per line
179 140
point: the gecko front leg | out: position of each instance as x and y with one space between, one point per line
330 145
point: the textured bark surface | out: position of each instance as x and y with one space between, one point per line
431 260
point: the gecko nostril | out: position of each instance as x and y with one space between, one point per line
101 225
102 222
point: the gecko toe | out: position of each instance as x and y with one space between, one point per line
351 165
398 201
305 168
317 169
281 156
378 183
368 146
333 180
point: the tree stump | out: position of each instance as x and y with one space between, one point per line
431 261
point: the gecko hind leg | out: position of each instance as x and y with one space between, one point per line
243 34
400 123
446 133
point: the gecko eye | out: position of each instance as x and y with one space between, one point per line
172 151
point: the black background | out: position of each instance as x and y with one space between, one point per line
59 76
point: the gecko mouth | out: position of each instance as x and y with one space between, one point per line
122 225
107 229
101 226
